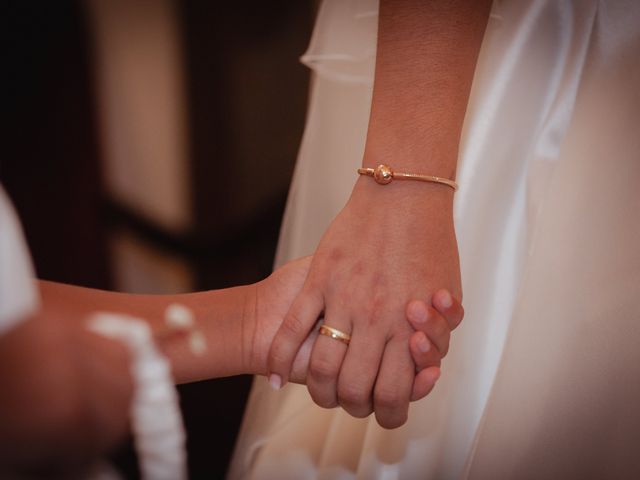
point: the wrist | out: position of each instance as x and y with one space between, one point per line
250 353
430 152
412 199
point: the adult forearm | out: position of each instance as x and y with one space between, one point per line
427 51
391 243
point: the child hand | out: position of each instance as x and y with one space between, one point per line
430 342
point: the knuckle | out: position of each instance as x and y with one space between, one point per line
336 255
322 370
278 355
387 398
377 307
375 315
293 325
353 395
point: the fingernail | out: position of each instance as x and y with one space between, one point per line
275 381
418 312
447 301
423 344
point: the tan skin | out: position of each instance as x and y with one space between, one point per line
66 391
394 243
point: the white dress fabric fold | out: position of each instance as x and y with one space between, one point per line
18 293
542 380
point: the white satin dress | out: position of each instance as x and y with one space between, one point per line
18 294
543 377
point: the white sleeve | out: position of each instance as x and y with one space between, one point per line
18 293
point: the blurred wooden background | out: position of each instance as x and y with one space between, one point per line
149 149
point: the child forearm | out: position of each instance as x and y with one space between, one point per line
223 316
66 392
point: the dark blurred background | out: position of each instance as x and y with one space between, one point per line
148 148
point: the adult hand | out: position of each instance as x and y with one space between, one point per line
428 344
389 245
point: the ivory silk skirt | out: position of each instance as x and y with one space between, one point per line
543 376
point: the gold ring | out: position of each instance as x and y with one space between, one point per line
335 333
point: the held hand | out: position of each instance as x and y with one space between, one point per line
430 343
389 245
272 299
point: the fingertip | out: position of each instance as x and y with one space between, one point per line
425 354
295 328
449 307
277 366
422 342
425 382
418 349
432 373
417 311
442 299
275 381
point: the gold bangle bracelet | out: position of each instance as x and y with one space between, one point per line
383 174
